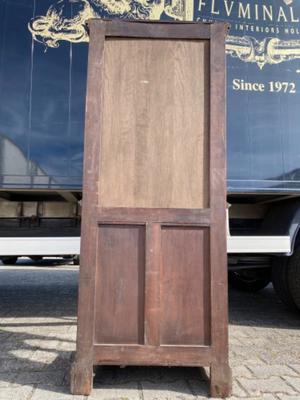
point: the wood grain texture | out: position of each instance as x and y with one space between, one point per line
152 355
82 367
220 379
218 252
184 286
155 124
159 29
153 286
167 215
120 275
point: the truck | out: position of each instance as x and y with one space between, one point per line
43 66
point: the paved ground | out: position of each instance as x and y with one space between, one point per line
37 337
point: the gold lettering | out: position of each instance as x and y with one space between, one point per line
267 12
236 84
256 12
201 4
281 14
228 10
293 19
213 11
244 12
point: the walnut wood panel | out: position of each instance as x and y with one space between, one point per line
119 310
184 286
154 141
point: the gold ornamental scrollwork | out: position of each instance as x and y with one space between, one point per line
270 50
53 27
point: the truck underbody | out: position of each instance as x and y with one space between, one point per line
49 216
262 235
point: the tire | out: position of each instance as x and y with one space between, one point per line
9 260
294 277
76 260
249 280
280 280
286 279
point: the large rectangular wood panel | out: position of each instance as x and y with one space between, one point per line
153 251
154 139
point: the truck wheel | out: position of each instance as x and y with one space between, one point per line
76 260
281 282
9 260
294 277
249 280
286 279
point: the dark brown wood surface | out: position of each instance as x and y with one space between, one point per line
184 283
153 287
120 284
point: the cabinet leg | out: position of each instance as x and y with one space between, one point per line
220 380
81 377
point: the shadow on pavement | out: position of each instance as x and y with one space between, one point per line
38 329
262 309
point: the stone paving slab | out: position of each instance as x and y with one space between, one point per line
38 331
294 382
54 393
177 390
275 384
16 392
122 391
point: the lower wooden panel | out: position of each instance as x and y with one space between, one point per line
119 309
150 355
185 289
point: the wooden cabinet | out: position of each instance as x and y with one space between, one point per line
153 276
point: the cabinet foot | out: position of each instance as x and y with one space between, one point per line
220 380
81 378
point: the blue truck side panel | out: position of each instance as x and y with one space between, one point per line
43 61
